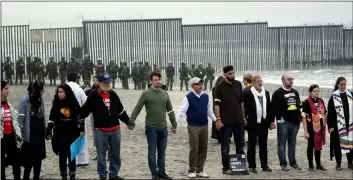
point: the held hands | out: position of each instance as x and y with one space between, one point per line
272 126
173 130
49 137
82 133
245 122
131 125
306 135
219 124
330 130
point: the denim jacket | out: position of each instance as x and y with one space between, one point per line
24 117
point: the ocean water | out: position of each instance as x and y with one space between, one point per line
325 78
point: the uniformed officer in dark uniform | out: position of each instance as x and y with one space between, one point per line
135 75
209 76
113 70
170 73
52 70
184 76
20 69
63 69
9 69
146 69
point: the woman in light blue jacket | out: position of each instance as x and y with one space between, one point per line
31 119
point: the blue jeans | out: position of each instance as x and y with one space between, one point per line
287 131
238 132
103 139
156 139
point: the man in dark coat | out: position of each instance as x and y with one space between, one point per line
257 111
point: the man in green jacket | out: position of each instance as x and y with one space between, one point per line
157 104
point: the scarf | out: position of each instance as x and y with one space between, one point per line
15 125
345 134
318 113
260 110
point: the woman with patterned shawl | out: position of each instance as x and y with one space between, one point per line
314 123
340 123
11 138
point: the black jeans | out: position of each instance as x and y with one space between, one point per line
310 154
36 165
238 132
338 156
63 157
65 154
260 132
9 148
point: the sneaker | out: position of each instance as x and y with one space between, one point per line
338 167
115 178
295 166
285 168
202 175
321 168
164 176
228 172
253 170
311 169
266 169
192 175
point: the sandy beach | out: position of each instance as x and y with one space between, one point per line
134 148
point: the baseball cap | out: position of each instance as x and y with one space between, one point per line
105 78
195 80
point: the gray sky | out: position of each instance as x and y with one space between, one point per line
69 14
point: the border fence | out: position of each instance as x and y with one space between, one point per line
247 46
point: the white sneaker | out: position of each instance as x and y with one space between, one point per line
202 175
192 175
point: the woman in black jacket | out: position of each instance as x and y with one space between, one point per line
257 112
314 123
67 127
340 123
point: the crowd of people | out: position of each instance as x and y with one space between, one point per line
234 111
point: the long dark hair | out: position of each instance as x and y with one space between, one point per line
3 84
34 90
339 79
70 99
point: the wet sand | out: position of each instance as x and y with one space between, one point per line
134 148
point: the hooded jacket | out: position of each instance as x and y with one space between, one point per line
79 92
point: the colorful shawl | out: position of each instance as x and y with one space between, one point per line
15 125
345 134
318 113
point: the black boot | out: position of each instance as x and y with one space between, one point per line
72 177
64 177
